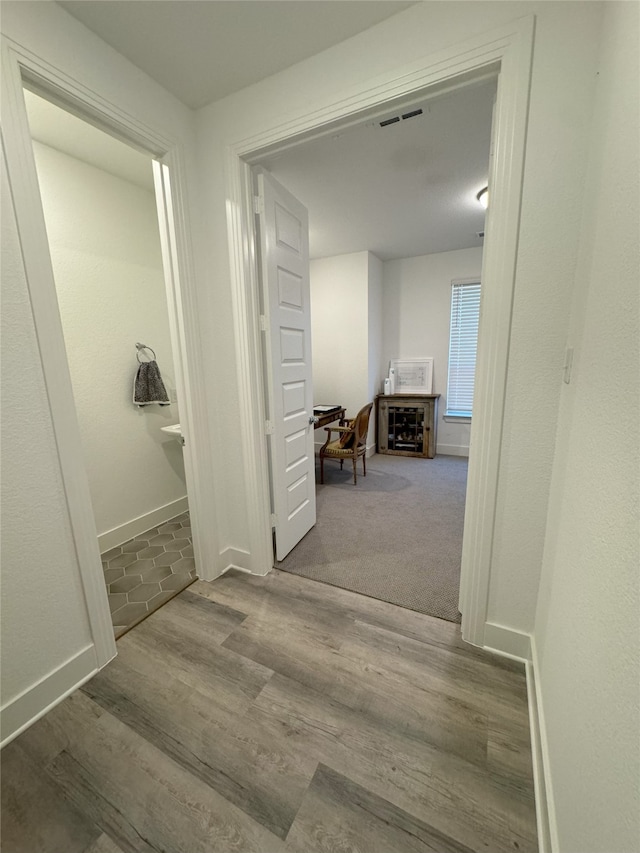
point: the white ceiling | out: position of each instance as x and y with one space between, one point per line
58 129
399 191
403 190
202 50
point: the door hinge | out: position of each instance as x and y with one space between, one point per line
269 428
263 323
258 204
274 520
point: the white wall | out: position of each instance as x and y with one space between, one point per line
377 369
339 328
563 76
554 190
345 290
44 621
45 626
105 250
38 636
417 313
587 630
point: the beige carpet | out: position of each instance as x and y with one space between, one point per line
396 536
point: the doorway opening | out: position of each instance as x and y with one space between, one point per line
101 217
507 51
393 222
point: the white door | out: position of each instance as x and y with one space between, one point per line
284 251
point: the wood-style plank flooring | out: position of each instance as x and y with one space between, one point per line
280 715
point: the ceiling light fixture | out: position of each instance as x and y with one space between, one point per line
483 197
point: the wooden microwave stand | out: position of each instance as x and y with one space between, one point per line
407 423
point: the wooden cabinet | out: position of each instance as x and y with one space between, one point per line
406 424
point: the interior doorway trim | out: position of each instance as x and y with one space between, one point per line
509 49
22 67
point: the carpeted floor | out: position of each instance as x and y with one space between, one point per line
396 536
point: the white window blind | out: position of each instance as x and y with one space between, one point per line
463 342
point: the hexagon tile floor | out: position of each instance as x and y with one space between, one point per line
147 571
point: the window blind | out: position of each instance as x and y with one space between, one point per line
463 342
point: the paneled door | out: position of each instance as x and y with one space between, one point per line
284 250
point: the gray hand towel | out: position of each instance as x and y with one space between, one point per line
148 386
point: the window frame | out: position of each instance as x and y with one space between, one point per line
460 414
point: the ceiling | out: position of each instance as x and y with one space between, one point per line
403 190
203 50
58 129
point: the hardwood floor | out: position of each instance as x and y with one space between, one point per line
280 715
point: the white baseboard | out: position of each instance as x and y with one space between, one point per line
20 713
545 804
238 569
112 538
230 558
452 449
506 641
520 646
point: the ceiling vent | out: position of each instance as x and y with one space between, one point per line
404 116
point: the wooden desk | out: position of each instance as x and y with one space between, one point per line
324 419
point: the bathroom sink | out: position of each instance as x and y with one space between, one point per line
173 430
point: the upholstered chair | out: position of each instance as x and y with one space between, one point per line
350 444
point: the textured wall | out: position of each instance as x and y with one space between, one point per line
346 316
567 34
377 369
44 616
587 631
44 620
557 140
339 312
562 88
417 312
105 250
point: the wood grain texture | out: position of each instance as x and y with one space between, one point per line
60 825
104 844
258 771
280 715
478 808
334 802
381 694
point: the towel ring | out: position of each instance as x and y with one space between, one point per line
141 347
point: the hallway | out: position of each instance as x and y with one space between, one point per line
279 714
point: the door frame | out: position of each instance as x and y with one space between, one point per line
508 50
21 67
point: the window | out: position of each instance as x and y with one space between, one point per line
463 342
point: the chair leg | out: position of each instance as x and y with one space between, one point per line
364 463
322 470
355 478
